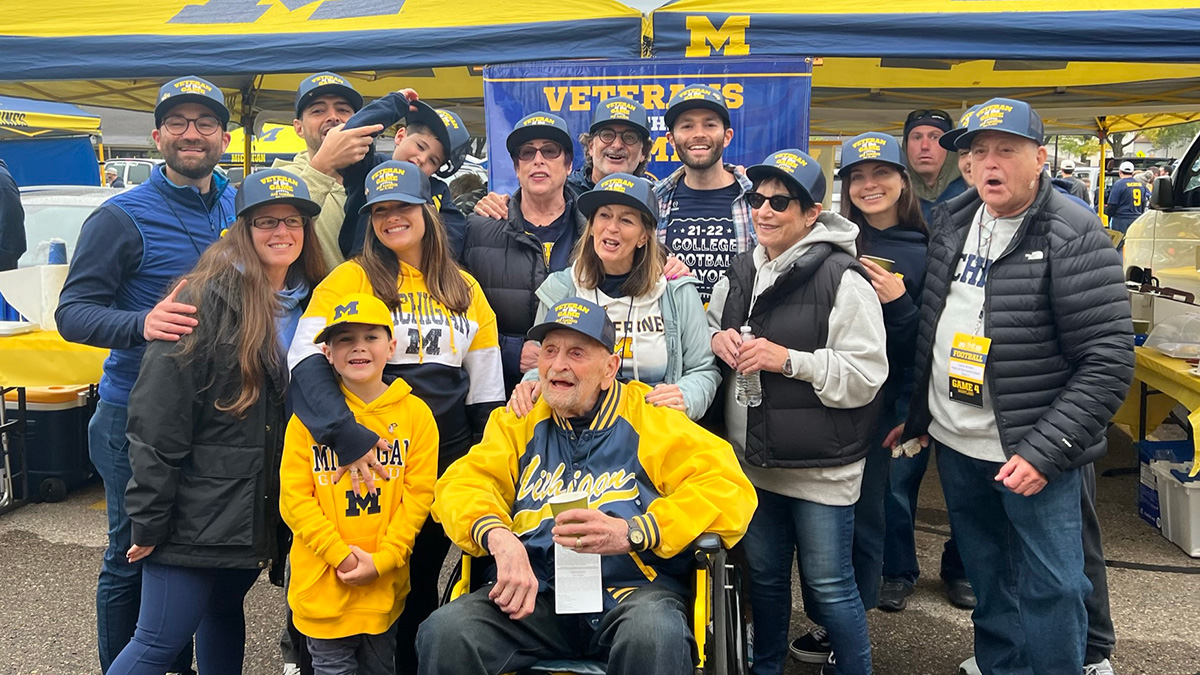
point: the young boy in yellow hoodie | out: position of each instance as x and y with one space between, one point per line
350 553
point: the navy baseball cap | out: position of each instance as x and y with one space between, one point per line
270 186
696 96
621 109
396 181
320 84
190 89
450 132
947 139
581 316
795 167
873 146
1003 114
620 188
539 125
938 119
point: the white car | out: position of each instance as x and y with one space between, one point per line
57 212
1166 239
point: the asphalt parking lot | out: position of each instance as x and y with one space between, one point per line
50 554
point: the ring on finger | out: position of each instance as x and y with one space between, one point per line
578 543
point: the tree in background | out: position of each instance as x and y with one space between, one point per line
1166 138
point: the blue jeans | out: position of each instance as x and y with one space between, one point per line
119 589
179 601
1024 558
646 633
821 538
900 507
870 524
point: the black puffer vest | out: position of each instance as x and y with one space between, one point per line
792 429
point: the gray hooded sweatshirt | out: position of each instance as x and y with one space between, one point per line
847 373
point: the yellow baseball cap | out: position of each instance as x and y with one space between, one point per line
361 308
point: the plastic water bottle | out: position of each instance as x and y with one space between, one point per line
749 386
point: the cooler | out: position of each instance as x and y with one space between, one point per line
55 438
1179 499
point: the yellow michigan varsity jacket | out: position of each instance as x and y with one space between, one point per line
327 518
637 461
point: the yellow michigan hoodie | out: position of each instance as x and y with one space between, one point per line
327 518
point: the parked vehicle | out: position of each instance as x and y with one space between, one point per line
57 212
132 170
1164 240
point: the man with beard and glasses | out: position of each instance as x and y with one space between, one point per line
617 142
118 296
324 103
704 218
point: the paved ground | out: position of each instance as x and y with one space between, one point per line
50 556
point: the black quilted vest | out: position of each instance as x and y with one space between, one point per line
792 429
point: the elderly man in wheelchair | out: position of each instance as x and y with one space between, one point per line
654 483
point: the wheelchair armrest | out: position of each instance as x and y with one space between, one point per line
709 543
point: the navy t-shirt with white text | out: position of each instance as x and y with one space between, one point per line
700 232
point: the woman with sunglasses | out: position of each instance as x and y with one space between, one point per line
878 198
818 349
447 352
206 422
662 336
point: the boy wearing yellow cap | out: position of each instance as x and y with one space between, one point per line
350 554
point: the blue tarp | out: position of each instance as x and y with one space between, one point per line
52 161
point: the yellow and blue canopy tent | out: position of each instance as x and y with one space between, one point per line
276 141
1094 30
46 143
118 57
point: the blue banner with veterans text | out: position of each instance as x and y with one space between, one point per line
768 103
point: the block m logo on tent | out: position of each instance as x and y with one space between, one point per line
707 39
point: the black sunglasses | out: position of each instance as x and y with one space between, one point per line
550 151
927 114
779 203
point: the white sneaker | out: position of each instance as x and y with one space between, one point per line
291 669
969 667
1102 668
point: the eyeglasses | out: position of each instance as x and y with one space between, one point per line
927 114
779 203
550 151
608 135
207 125
269 223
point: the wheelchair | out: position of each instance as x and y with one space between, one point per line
717 618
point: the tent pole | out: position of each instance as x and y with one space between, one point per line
1103 131
100 152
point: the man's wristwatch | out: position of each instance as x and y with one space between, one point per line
787 367
637 538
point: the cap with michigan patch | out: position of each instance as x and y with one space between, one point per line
190 89
450 132
362 308
795 167
873 146
396 181
948 139
581 316
274 186
621 109
320 84
539 125
620 188
696 96
1003 114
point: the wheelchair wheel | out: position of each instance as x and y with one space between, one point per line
729 653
